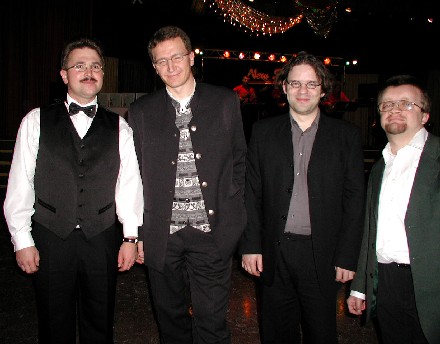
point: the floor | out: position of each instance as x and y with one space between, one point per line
134 320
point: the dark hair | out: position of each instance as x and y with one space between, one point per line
166 33
79 44
304 58
399 80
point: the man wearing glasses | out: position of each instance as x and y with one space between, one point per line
305 199
398 272
191 148
74 169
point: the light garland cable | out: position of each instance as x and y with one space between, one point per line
237 12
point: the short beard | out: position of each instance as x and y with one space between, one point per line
395 128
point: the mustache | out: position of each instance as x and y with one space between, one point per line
88 78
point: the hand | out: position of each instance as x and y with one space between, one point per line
126 256
252 263
140 253
343 275
355 305
28 259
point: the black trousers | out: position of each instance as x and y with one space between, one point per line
191 294
294 307
76 280
396 306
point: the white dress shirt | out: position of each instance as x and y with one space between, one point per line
20 196
397 182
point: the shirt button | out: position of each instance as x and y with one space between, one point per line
187 200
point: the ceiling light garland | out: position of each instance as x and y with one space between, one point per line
320 20
257 22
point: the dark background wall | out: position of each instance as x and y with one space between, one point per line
387 36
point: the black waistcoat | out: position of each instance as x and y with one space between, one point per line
75 178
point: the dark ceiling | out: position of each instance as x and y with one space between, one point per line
384 35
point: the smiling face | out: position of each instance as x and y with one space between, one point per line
403 123
83 86
177 75
302 100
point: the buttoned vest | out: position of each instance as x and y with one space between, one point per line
75 178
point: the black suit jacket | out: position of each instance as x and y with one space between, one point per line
336 194
220 149
422 225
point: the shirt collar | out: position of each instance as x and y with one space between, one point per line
70 100
417 143
185 101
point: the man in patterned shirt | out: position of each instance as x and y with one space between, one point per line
191 149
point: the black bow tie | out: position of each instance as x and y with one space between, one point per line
88 110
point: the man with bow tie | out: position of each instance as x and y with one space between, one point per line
74 173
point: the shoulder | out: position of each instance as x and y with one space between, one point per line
271 124
214 90
339 125
148 99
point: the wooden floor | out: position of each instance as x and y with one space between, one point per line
134 319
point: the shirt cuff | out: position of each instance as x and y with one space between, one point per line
357 294
130 230
22 240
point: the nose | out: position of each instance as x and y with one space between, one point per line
170 65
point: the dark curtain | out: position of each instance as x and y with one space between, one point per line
32 36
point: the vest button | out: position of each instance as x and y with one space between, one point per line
211 212
81 175
81 190
80 205
204 184
81 161
198 156
82 146
173 162
193 128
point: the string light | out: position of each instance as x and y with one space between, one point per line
236 12
260 56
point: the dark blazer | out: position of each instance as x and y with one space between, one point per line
219 148
336 194
422 224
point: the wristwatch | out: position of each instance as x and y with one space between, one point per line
130 240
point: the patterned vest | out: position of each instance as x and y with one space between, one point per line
188 204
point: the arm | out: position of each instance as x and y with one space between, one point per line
20 196
350 236
250 244
128 195
239 147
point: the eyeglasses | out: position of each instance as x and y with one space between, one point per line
175 59
311 85
402 105
81 67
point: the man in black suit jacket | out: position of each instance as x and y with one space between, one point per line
304 198
191 148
